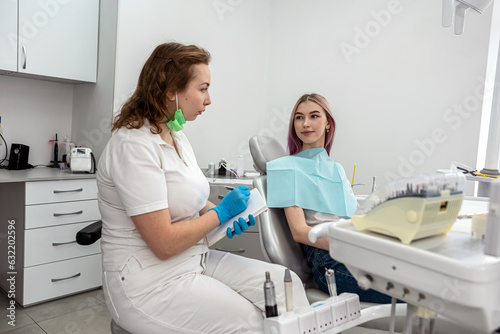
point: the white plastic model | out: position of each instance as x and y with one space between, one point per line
413 207
449 275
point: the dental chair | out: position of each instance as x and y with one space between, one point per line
279 247
87 236
276 239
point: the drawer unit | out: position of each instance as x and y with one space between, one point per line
248 243
62 278
50 244
60 191
44 217
55 214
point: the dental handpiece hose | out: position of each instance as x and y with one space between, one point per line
270 297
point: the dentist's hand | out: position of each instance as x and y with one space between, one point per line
240 226
233 203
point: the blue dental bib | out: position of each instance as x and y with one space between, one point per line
310 180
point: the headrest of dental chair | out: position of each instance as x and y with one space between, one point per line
264 149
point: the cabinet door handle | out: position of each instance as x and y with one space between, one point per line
25 54
69 213
67 191
62 279
237 251
63 243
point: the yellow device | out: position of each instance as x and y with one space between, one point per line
413 207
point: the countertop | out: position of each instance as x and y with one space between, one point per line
228 179
52 174
41 174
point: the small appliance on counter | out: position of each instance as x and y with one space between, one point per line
82 160
19 157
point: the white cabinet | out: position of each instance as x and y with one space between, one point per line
8 36
56 39
45 216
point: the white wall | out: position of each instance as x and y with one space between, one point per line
93 104
407 97
32 112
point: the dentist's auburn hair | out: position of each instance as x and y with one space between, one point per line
168 70
294 143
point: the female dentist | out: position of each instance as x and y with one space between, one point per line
158 274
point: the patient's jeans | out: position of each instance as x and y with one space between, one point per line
320 259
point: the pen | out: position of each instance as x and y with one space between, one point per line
353 171
288 290
270 297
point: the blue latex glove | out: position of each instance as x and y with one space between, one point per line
233 203
240 226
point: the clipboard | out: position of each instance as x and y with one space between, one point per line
255 206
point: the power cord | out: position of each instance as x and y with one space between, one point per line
94 165
5 158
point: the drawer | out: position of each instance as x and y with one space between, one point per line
246 244
54 214
218 191
50 244
60 191
61 278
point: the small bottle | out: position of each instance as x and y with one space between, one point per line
241 166
211 169
66 149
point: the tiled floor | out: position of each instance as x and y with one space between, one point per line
84 313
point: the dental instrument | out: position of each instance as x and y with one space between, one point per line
330 281
353 172
270 297
288 290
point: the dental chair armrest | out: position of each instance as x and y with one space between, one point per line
89 234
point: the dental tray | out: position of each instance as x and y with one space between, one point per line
414 207
447 274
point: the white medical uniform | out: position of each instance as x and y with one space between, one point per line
196 291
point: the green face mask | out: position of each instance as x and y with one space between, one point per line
177 123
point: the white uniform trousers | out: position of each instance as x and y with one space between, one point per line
215 293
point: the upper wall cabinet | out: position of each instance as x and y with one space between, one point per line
51 39
8 35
